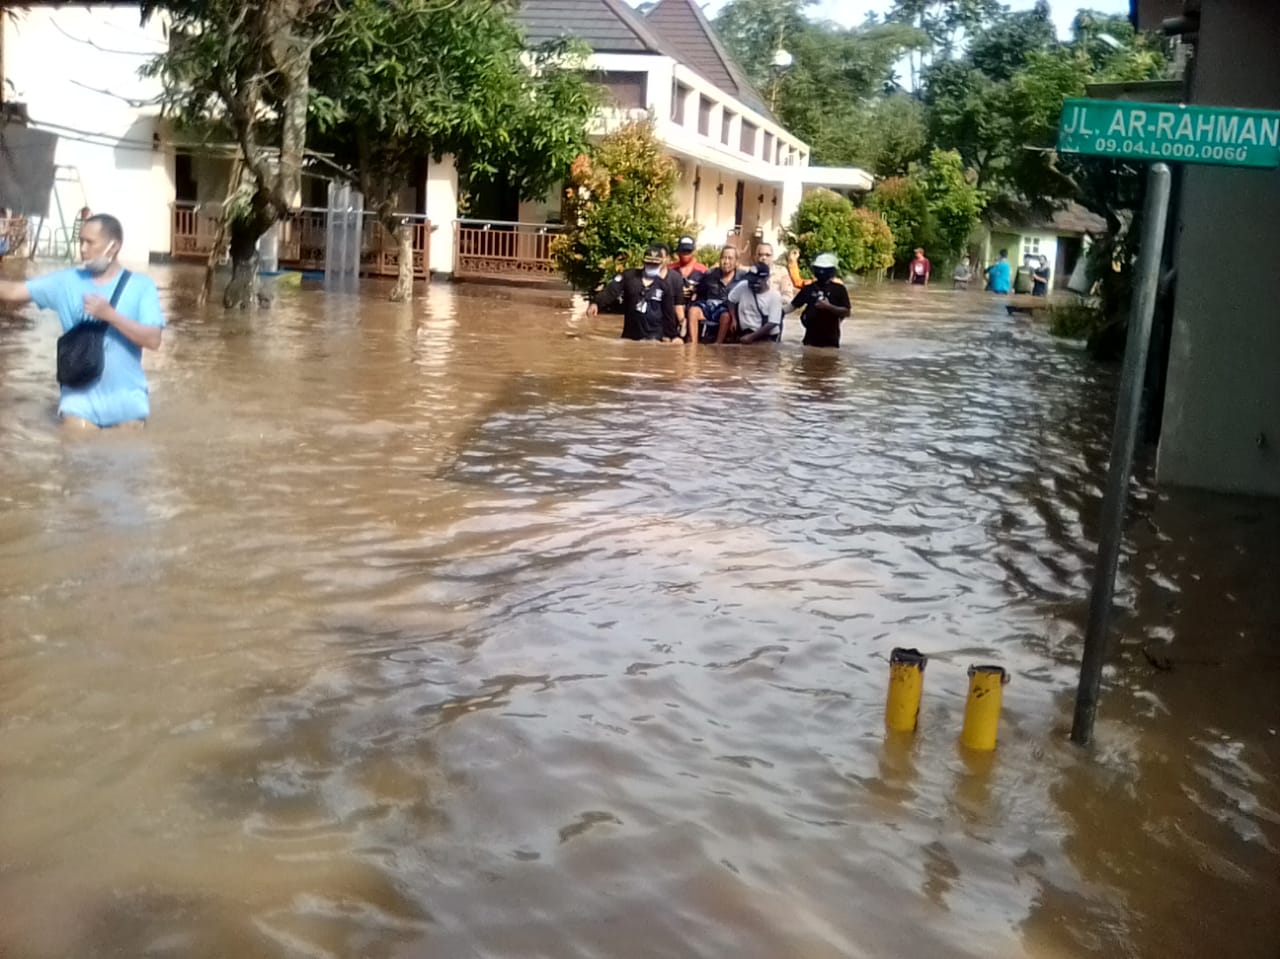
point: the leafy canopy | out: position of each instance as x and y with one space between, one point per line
398 81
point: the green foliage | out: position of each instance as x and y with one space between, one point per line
885 135
708 254
620 196
1076 321
828 95
826 222
398 82
934 207
905 207
954 203
1004 45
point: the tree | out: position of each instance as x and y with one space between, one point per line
954 203
619 198
945 24
887 134
397 82
1003 46
934 207
835 75
245 68
826 222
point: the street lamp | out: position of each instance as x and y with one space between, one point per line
782 61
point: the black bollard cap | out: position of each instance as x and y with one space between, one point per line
908 657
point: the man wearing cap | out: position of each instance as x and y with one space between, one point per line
825 303
687 266
755 310
711 298
647 298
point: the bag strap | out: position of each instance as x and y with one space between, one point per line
120 284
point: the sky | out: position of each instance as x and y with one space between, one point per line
852 12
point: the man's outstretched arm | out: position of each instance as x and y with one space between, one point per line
14 291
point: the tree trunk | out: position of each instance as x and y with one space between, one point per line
242 291
403 233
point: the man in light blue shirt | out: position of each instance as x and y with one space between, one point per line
999 276
134 323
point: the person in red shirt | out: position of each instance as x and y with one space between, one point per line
919 269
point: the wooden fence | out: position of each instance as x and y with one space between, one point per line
500 249
303 238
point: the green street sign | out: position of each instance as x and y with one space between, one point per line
1222 136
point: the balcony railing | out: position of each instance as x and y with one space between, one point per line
503 249
13 236
303 236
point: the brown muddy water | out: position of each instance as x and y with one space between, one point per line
464 629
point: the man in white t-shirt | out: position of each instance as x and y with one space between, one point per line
755 309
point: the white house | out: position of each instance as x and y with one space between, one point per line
741 172
75 69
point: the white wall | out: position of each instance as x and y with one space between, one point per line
442 210
76 69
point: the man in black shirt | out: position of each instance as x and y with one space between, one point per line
711 297
648 303
825 302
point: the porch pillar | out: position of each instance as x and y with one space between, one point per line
441 209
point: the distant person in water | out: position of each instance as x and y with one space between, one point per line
129 307
962 276
919 269
999 276
1040 277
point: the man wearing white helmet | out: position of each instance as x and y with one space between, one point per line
825 302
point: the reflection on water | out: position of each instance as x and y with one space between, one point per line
465 629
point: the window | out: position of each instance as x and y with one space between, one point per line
622 89
1031 246
679 94
704 116
768 147
726 127
748 142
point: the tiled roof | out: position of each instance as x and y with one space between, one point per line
608 26
684 27
674 28
1073 219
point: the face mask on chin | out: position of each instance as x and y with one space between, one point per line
100 264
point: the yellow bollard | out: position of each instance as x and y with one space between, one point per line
906 683
982 710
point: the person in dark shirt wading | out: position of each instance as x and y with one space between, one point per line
711 298
648 304
825 303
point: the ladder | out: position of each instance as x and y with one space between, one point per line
64 240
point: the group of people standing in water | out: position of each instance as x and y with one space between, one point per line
684 301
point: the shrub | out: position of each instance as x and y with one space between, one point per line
618 197
826 222
1075 321
708 254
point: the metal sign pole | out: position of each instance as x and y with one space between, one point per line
1154 215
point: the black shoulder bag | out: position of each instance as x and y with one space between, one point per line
80 349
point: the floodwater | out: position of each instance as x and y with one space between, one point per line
464 629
